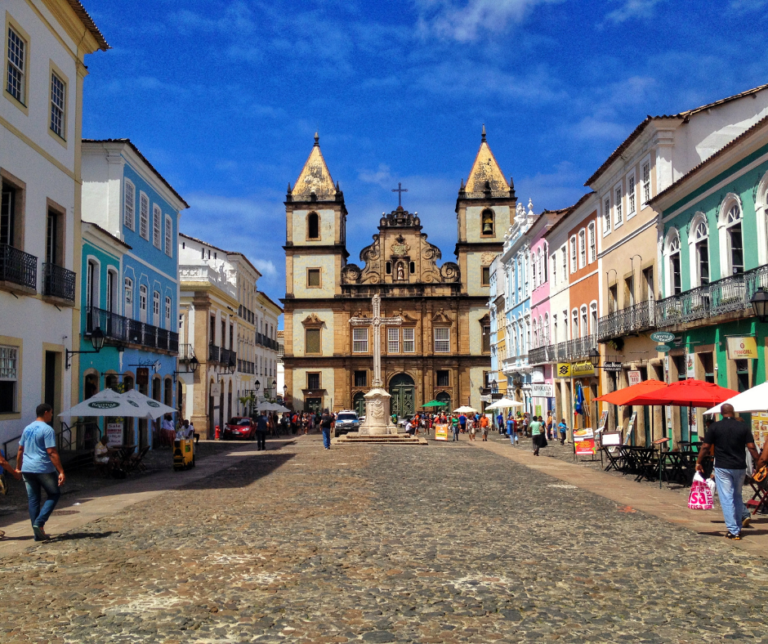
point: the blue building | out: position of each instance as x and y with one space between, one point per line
130 286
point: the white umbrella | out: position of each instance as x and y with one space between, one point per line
145 407
505 403
749 401
466 409
105 403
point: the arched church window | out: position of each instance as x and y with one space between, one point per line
488 222
313 226
413 267
389 268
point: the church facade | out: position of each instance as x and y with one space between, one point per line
441 348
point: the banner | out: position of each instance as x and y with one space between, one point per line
760 429
584 442
690 371
741 348
441 432
630 429
579 369
114 433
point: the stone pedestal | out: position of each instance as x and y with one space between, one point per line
377 417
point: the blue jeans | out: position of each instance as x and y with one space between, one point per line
326 436
455 432
50 483
729 483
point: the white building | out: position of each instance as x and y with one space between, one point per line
44 49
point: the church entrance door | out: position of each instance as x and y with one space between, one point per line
403 392
358 403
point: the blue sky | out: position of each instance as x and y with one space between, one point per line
224 97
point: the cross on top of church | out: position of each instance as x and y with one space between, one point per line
376 321
399 190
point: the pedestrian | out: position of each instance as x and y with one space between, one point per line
472 429
463 423
731 439
500 422
261 432
327 423
38 461
537 432
484 427
455 427
410 427
511 431
167 431
550 427
563 429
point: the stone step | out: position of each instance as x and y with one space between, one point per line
383 439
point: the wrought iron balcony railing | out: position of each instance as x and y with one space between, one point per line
119 329
59 282
18 267
632 319
214 353
186 352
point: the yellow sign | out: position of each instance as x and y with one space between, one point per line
579 369
760 429
441 432
563 370
742 348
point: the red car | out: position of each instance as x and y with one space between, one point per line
240 427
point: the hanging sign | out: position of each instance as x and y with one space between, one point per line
142 376
584 442
612 366
742 348
662 337
630 429
690 370
760 429
663 348
563 370
579 369
215 389
603 422
634 377
543 391
441 432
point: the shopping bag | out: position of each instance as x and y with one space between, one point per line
700 497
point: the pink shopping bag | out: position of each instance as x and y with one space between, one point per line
701 495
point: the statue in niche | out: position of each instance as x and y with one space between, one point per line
400 272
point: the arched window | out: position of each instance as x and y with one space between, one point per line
534 273
698 238
574 324
313 226
535 334
584 321
543 254
128 290
593 318
674 276
546 329
573 254
143 303
488 223
582 249
592 242
731 241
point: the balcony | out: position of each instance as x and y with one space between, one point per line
543 355
121 330
18 270
580 347
228 358
214 353
59 283
730 295
631 320
186 352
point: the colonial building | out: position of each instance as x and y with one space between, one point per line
441 350
45 44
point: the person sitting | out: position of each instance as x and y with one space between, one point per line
105 458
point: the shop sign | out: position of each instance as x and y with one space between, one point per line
663 348
497 395
215 389
634 378
742 348
584 442
142 376
612 366
760 429
631 428
563 370
441 432
603 422
662 337
543 391
579 369
114 433
485 398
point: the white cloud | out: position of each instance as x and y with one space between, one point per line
382 176
467 21
632 9
745 6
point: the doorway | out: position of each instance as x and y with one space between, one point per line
358 404
403 392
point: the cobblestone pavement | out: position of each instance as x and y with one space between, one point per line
444 543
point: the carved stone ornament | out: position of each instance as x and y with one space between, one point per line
487 258
441 317
312 320
400 248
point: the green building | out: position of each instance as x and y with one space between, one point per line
713 244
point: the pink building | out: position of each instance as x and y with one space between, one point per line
542 376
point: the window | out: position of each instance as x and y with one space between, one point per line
554 270
700 255
58 103
444 378
618 203
646 182
360 340
16 80
543 262
157 216
606 216
128 287
488 223
130 205
312 341
9 375
573 254
111 291
313 381
169 236
582 248
631 207
486 276
733 240
574 324
592 242
409 340
313 226
593 318
155 307
143 303
167 312
393 340
91 285
144 216
412 267
313 278
742 375
613 298
361 378
673 253
442 340
584 321
8 223
486 338
389 268
534 274
555 337
53 238
564 254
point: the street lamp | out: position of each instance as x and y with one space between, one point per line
192 366
759 304
97 340
594 357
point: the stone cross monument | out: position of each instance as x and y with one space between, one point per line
377 420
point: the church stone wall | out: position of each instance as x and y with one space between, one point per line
326 332
327 227
475 331
475 227
474 274
300 383
476 377
327 266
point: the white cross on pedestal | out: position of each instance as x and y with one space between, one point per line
376 321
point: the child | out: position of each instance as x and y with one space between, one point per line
563 428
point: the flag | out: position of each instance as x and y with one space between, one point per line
579 406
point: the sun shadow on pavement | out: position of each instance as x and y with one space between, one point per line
70 536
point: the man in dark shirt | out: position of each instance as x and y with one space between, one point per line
327 422
261 431
730 438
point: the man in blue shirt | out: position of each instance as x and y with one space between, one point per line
463 423
500 423
261 432
511 431
38 460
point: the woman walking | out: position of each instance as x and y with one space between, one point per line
537 432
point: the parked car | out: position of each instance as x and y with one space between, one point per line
240 427
346 421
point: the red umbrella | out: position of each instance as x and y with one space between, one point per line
686 393
621 396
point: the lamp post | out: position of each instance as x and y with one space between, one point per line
97 340
759 304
